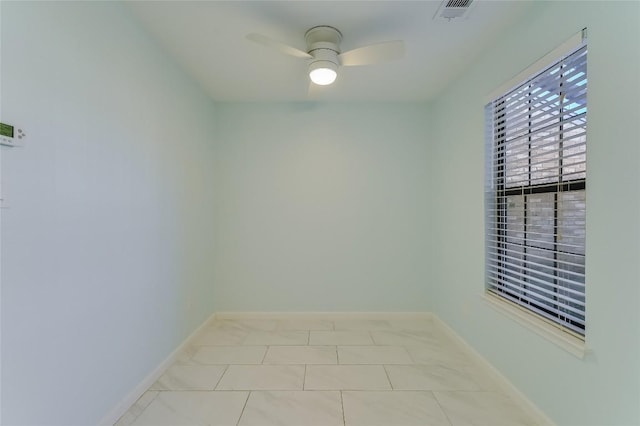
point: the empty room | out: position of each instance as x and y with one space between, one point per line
320 213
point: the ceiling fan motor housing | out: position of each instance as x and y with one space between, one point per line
323 43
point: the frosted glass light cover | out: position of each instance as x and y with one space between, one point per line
323 76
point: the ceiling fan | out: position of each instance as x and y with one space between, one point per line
325 57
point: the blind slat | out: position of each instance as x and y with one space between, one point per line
502 258
559 262
531 294
568 133
531 303
562 265
522 279
567 103
553 317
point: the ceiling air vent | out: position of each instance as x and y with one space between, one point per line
453 9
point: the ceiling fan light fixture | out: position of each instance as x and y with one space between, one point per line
323 73
325 56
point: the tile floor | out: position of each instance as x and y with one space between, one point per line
324 373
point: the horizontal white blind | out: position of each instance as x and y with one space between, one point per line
536 204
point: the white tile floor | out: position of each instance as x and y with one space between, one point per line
324 373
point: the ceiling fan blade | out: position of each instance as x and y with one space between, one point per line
284 48
373 54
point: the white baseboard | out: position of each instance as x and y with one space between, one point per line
120 409
326 316
503 383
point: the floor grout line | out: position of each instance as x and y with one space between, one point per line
358 334
243 408
406 350
265 355
221 376
135 417
372 339
304 377
435 397
384 367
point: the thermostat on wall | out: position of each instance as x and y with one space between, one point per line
8 136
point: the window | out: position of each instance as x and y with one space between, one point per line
536 204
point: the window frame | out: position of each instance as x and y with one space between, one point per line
498 165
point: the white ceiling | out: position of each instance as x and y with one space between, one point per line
207 39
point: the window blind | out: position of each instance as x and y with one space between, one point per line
536 203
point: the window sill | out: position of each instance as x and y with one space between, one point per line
555 335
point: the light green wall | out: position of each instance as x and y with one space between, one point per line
322 207
107 240
604 388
